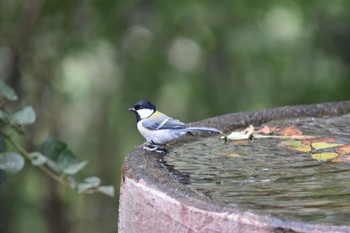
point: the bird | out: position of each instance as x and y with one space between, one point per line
159 129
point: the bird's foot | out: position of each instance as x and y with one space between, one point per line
155 148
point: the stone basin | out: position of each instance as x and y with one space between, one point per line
155 198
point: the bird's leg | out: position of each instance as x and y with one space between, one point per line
155 148
189 133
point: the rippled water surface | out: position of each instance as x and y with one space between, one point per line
269 178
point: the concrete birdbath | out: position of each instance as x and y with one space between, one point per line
293 177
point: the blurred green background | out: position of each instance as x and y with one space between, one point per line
83 63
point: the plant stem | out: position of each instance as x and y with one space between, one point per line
43 168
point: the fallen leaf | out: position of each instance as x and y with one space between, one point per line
296 145
341 158
264 130
344 149
267 129
324 145
324 156
289 130
239 135
304 148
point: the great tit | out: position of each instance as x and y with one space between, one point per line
159 129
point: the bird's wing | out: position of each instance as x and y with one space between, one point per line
161 121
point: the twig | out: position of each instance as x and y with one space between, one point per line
44 169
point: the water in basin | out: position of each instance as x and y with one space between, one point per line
269 178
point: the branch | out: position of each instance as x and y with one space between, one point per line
43 168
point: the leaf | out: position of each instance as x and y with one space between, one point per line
267 129
324 145
75 168
304 148
38 159
2 176
52 148
344 149
24 116
239 135
108 190
7 92
324 156
289 130
341 158
60 157
296 145
82 187
11 162
89 183
3 146
94 180
3 118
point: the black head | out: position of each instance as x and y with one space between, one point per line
143 104
140 107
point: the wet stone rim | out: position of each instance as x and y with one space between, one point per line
143 170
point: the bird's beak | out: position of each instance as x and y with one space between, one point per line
132 109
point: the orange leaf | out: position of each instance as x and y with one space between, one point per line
345 149
289 130
341 158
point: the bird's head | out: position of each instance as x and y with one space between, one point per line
143 109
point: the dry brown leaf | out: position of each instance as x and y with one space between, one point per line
289 130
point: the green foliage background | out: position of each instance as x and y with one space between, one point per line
82 63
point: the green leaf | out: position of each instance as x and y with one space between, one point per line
75 168
24 116
3 146
93 180
7 92
2 176
60 157
52 148
89 183
38 159
3 118
107 189
11 162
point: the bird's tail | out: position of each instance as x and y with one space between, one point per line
194 129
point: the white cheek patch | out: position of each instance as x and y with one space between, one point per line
145 113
